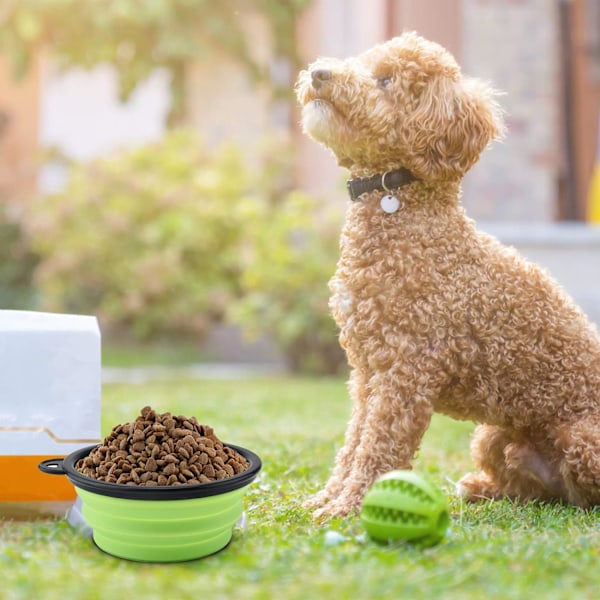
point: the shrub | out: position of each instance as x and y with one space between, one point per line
292 250
16 270
170 239
147 240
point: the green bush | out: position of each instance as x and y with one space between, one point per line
170 239
292 250
148 239
16 269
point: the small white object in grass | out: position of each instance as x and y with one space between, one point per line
334 538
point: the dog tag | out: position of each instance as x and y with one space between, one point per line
390 204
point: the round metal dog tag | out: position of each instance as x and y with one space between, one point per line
390 204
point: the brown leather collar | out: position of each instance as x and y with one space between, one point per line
388 181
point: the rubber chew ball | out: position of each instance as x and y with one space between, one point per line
403 506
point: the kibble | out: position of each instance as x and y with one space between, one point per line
162 450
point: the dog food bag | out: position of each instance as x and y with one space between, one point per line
49 405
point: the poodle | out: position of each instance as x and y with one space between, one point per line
433 314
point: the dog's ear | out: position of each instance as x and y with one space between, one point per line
451 124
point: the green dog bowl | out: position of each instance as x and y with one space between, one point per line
161 523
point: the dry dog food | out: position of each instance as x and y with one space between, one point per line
161 449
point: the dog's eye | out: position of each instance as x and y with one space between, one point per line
384 82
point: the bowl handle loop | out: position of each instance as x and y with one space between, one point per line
52 466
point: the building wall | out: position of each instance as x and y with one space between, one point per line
512 43
515 45
437 20
585 83
82 115
19 123
223 104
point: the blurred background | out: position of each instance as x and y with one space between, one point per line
153 172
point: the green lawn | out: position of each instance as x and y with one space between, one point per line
131 354
493 550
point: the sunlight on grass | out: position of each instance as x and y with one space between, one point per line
493 550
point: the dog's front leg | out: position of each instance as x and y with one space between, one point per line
359 393
397 413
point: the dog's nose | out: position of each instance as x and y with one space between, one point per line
319 77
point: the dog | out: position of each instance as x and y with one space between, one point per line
435 316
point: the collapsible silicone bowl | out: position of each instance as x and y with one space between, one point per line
161 523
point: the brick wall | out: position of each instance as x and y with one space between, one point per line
515 45
19 107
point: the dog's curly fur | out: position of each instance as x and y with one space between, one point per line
434 315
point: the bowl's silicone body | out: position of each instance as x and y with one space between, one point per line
161 523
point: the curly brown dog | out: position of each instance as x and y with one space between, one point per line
434 315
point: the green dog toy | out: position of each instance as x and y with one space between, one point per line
403 506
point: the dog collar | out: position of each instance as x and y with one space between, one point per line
384 183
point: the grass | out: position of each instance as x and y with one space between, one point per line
131 354
494 550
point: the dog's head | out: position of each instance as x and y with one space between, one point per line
403 103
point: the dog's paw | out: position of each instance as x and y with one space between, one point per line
332 509
339 507
475 487
316 501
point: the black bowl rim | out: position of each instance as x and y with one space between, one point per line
177 492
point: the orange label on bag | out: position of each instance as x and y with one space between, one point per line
21 481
